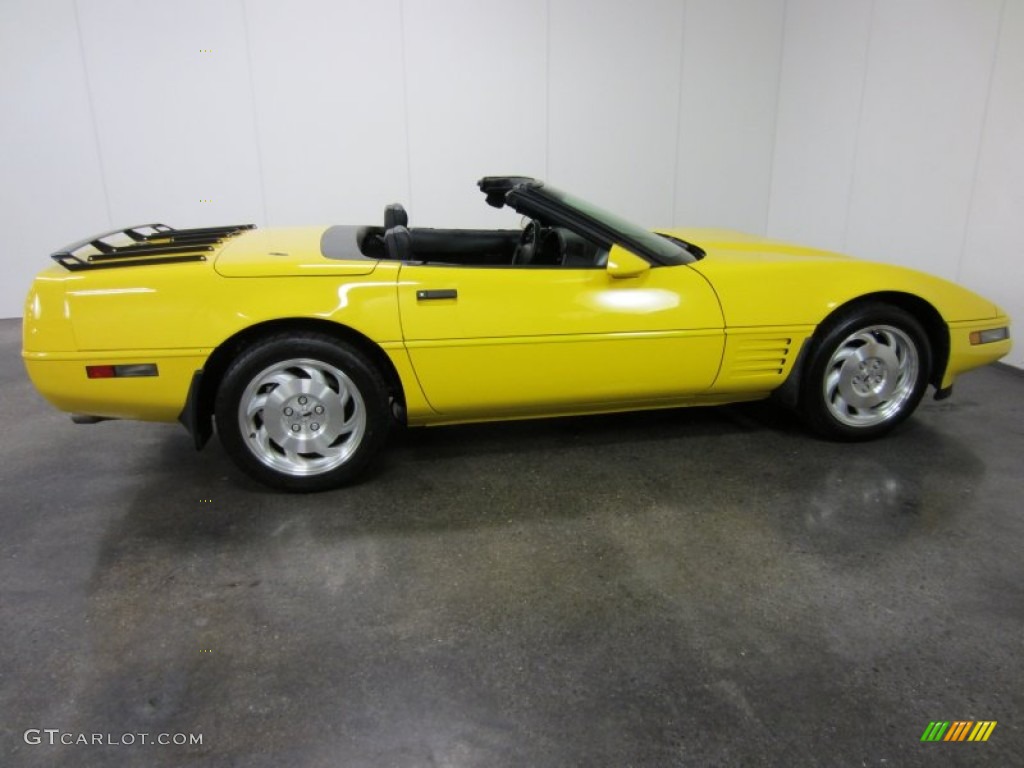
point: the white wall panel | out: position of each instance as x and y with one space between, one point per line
52 182
731 58
613 103
175 124
890 128
476 83
993 258
823 69
329 105
929 64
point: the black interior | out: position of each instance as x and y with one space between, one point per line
395 216
537 245
398 244
561 247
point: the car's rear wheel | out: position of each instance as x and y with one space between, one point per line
302 412
867 372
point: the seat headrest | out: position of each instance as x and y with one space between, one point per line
398 243
395 216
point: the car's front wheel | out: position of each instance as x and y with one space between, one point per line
302 412
867 371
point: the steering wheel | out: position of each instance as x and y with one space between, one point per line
529 242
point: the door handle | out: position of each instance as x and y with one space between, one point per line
441 293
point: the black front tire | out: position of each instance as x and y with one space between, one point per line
303 412
868 369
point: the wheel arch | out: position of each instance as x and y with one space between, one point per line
920 309
197 415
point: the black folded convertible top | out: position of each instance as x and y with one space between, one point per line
496 187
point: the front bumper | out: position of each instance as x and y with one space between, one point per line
965 356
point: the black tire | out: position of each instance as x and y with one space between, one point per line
868 369
303 412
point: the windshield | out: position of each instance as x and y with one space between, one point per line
668 251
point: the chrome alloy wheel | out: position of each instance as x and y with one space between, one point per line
871 375
302 416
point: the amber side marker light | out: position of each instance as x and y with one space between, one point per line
992 334
121 371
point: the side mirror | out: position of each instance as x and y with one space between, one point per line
623 263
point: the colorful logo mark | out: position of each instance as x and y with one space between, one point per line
958 730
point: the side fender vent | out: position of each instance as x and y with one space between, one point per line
757 357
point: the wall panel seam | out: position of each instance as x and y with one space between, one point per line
860 124
255 112
405 102
981 140
775 124
679 114
92 116
547 89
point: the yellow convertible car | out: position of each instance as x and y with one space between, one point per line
306 345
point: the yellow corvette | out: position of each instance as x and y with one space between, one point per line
305 345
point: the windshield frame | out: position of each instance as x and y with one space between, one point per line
538 199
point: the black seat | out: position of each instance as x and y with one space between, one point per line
578 252
395 216
398 243
551 250
562 247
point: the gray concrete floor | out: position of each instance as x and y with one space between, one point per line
695 587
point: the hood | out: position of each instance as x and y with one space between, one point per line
732 246
296 252
763 282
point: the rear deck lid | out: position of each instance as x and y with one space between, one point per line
296 252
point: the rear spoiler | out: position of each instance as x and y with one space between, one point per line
144 244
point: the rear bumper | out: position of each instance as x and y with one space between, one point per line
61 379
